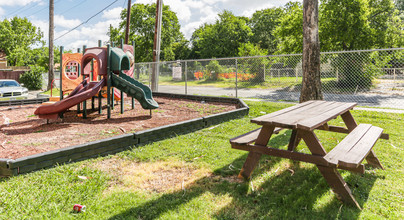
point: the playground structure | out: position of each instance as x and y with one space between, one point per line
100 67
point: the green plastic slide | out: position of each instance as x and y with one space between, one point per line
135 89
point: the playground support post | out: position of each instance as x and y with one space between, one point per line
122 101
60 77
78 105
85 101
61 70
99 94
112 88
108 83
133 74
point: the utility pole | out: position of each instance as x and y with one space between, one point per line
51 36
127 22
156 47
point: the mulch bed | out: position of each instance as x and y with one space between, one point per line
23 134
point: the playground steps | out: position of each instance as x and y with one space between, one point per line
135 89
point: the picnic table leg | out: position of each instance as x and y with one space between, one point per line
330 174
373 160
338 185
254 157
294 140
349 120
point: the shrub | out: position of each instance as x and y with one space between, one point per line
213 69
33 78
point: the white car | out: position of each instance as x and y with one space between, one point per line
12 90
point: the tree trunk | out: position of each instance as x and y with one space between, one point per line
51 36
311 85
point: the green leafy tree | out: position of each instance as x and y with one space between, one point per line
263 24
254 66
213 69
33 78
289 32
17 38
221 39
142 24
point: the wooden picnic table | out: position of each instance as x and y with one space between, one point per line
303 119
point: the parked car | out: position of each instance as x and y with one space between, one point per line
12 90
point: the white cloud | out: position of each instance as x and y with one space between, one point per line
17 2
114 13
61 21
86 35
2 12
251 10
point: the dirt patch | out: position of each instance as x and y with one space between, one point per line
161 176
23 134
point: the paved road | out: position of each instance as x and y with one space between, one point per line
382 101
372 100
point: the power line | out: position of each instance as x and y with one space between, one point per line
19 9
85 21
81 2
46 7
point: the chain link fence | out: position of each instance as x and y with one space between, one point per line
368 77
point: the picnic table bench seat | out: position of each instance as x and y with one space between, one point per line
354 148
250 137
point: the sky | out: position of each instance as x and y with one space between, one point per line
70 13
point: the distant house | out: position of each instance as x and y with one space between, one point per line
10 72
3 60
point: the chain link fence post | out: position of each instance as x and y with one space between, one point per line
236 79
186 78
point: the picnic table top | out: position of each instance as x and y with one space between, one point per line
307 115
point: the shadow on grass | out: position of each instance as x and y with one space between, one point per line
300 194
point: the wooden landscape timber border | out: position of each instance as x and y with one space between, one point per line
11 167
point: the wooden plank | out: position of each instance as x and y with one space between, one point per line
362 148
264 118
346 131
251 136
308 158
310 123
347 143
335 129
291 118
246 138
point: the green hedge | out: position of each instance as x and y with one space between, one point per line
33 78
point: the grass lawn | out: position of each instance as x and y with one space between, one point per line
193 176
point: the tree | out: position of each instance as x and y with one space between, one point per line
311 85
17 37
256 66
263 24
289 32
142 21
221 39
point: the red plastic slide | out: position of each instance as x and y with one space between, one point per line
83 92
